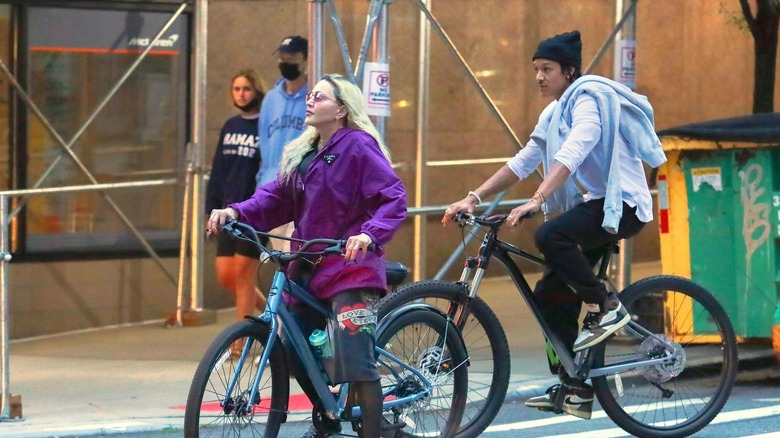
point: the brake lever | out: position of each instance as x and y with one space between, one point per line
230 228
463 219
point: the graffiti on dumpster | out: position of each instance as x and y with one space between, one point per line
755 224
776 205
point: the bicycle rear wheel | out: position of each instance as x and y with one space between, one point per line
486 346
425 338
212 412
676 398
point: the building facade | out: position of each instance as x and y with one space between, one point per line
76 262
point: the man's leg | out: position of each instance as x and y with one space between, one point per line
564 241
572 243
560 306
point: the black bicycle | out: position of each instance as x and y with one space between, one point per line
242 384
668 373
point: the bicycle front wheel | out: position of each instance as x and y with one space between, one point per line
219 405
486 346
427 340
672 317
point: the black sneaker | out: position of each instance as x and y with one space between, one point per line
601 321
314 433
578 400
328 427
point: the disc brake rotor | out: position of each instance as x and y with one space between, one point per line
432 360
660 346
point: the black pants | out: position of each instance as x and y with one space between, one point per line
571 244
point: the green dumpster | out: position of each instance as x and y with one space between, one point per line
719 216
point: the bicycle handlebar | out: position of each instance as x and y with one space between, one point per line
492 221
246 232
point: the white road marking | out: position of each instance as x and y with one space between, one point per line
723 417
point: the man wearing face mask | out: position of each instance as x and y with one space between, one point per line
282 114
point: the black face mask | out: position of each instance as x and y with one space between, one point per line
289 70
250 107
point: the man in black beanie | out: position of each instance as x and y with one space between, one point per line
565 49
595 135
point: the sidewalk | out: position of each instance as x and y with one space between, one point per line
136 378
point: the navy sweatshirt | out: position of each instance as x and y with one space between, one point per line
235 163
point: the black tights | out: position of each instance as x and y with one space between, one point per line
368 395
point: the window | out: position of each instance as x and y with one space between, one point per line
139 134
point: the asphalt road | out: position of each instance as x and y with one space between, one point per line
752 411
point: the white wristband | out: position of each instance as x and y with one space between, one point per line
474 194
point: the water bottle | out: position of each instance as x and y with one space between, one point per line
318 340
320 345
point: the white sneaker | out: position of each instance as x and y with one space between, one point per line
578 400
602 320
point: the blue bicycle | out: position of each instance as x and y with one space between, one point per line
242 384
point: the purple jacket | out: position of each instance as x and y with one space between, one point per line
349 188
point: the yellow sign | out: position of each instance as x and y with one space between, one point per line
707 175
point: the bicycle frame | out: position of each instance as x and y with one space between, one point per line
577 366
278 317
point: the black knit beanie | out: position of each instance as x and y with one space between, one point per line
565 48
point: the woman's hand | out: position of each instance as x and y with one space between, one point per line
466 204
218 218
355 244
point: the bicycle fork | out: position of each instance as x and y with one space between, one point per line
459 312
273 334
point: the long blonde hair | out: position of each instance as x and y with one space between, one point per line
347 94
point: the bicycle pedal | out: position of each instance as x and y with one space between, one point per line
407 421
550 410
393 426
392 430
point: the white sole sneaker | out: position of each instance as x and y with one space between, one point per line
609 323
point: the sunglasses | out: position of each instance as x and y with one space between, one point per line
318 96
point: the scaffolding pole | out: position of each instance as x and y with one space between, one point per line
624 72
421 156
316 41
197 234
379 54
5 257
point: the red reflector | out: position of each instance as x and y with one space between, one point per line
663 221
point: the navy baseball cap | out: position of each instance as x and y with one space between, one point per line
294 44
